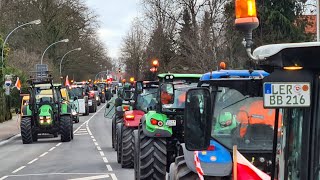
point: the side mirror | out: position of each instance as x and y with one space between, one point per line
75 98
167 94
198 119
108 105
139 87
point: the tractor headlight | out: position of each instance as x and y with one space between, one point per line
74 113
41 121
42 117
97 98
48 117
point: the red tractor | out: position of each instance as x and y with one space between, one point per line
145 99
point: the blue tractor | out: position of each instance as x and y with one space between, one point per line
233 101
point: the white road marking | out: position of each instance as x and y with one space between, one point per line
4 177
99 148
33 161
58 144
94 140
105 159
43 154
18 169
101 153
46 174
92 177
114 177
52 149
81 134
109 167
95 143
92 137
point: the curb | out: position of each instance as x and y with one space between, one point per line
3 142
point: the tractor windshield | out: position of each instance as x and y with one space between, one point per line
147 100
44 95
180 91
241 120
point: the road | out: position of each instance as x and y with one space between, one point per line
88 157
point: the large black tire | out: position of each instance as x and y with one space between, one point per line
55 134
113 131
180 171
34 137
65 128
152 158
95 107
119 148
91 108
86 111
127 147
26 130
103 100
135 135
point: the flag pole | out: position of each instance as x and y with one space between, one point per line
235 173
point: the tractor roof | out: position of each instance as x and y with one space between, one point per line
176 75
233 74
304 55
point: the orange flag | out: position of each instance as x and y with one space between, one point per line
18 84
67 81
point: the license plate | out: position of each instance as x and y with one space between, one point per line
90 102
171 123
286 94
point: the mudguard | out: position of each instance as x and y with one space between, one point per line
65 108
155 130
26 111
132 118
216 163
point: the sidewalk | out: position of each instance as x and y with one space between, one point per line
9 128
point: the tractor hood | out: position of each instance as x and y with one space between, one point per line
45 110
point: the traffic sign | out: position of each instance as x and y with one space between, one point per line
286 94
8 83
41 70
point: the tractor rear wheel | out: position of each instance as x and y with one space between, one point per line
86 111
119 148
26 130
152 157
65 128
34 137
127 147
113 136
180 171
136 153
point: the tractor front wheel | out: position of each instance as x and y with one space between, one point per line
180 171
119 148
127 147
26 130
152 157
65 129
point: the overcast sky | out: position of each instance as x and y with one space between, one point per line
115 18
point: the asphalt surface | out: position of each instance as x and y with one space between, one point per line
89 156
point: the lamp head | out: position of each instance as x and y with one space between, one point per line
38 21
65 40
78 49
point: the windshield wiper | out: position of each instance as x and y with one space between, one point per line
246 97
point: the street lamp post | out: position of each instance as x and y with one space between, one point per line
3 108
77 49
64 40
38 21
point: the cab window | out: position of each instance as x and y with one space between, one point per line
293 125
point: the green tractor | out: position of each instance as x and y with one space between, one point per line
161 130
46 112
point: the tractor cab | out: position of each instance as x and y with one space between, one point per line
226 109
289 95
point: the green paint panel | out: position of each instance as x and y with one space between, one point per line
159 117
